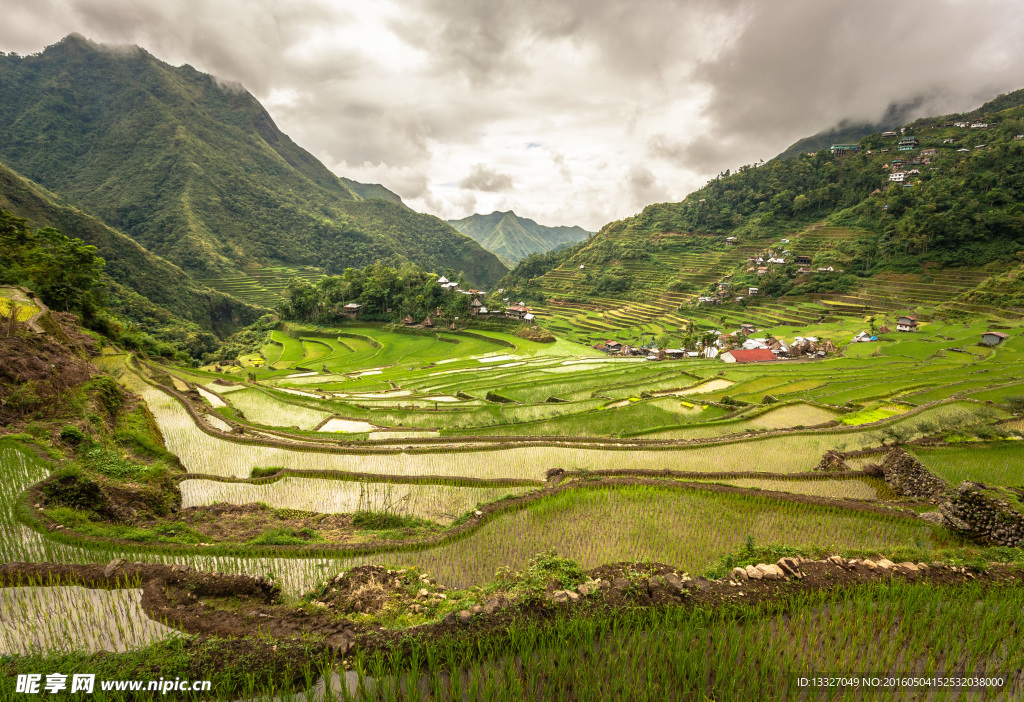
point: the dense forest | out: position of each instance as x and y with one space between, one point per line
384 293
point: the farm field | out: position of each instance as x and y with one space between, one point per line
474 454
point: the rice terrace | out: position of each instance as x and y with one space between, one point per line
725 449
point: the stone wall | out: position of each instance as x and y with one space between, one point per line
907 476
989 515
832 462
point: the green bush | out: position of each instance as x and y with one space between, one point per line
72 435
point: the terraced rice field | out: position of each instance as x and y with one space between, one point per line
440 503
691 529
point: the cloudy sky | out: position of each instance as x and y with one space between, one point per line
567 111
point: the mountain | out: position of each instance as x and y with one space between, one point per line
198 173
512 238
851 132
372 191
143 288
930 226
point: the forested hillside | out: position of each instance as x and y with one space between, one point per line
143 288
197 172
963 206
512 238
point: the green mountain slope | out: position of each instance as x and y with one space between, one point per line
371 191
921 244
848 132
513 238
198 172
145 288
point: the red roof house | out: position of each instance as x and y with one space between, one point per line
748 355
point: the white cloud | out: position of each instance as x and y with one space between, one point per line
590 108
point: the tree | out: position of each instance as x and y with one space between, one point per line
67 272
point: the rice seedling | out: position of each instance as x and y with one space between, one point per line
440 503
40 619
688 528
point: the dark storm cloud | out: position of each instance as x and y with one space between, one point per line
803 66
486 180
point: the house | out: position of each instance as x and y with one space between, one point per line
408 321
928 152
748 356
751 291
761 270
351 310
709 352
483 310
979 125
731 239
949 141
803 260
776 261
675 353
1018 137
528 317
884 330
582 266
897 177
747 329
888 135
962 125
993 338
516 311
474 306
428 322
613 345
708 301
442 280
830 269
863 337
906 324
802 270
908 143
843 149
964 151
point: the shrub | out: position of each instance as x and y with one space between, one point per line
72 435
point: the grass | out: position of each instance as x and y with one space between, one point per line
1001 463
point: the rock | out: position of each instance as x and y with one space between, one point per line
922 566
907 476
837 561
909 569
422 592
653 585
603 584
674 583
933 517
753 573
987 514
885 564
620 584
476 609
740 574
113 567
564 596
789 566
771 571
699 583
870 564
492 605
415 608
465 617
440 596
832 462
319 604
583 590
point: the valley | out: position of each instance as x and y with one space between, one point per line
267 428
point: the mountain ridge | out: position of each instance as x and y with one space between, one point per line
512 238
199 173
